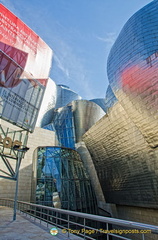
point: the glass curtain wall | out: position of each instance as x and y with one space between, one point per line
64 127
62 181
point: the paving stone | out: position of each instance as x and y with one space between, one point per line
24 228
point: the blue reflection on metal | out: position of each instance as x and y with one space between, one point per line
100 102
49 127
65 95
135 43
64 126
110 99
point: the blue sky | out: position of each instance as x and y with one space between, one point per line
81 33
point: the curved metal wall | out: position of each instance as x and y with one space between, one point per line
127 167
64 126
110 98
86 114
100 102
56 96
124 143
65 95
133 70
73 120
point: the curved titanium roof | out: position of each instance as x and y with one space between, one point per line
124 143
73 120
100 102
65 95
133 70
136 42
56 96
86 114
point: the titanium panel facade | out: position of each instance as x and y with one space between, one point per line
56 96
65 96
63 124
110 98
70 120
133 70
127 167
73 120
86 114
100 102
123 144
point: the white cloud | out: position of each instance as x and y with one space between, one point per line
71 65
68 67
109 39
60 64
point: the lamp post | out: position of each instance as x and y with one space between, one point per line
20 151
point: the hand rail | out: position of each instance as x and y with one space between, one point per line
43 213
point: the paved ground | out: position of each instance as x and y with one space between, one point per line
25 228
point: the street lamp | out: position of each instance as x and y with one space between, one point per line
16 176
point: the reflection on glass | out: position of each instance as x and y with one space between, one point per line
64 126
62 181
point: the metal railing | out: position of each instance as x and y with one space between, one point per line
85 225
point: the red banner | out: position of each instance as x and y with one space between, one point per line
15 33
25 62
20 94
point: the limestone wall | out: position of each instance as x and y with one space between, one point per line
40 137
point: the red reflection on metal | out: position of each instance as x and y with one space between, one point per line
138 79
142 82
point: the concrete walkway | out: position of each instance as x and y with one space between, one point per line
24 228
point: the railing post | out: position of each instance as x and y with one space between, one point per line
107 227
47 217
84 222
16 190
40 216
34 214
68 225
56 218
23 207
